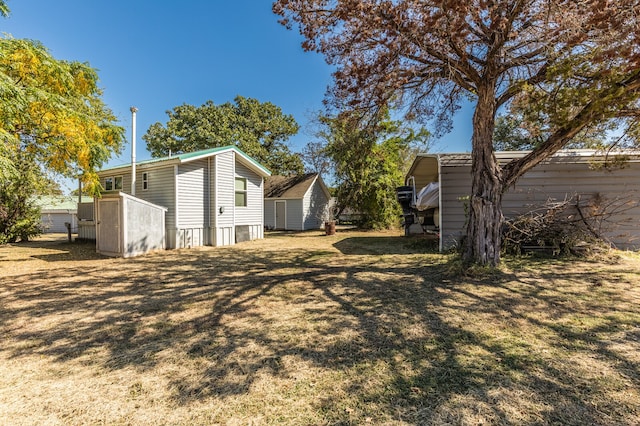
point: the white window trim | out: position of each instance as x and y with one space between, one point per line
238 191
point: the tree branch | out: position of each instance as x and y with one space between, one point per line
591 112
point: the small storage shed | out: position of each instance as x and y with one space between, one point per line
566 174
127 226
296 203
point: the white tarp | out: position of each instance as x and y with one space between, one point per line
428 197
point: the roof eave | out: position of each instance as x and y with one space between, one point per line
163 162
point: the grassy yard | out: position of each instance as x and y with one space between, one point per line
307 329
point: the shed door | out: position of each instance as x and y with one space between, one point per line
109 226
281 215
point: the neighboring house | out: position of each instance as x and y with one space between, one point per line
564 175
212 197
56 210
296 203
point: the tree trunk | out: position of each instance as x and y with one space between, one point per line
483 241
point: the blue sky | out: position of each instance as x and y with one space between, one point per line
156 55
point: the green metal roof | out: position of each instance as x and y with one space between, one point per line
188 156
60 202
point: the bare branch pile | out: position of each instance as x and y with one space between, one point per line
574 226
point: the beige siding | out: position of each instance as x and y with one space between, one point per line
455 187
225 188
552 181
85 211
161 191
213 203
557 182
126 180
193 194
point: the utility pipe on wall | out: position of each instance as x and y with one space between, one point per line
133 149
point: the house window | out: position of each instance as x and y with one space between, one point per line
113 183
241 192
145 181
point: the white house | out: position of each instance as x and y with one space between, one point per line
212 197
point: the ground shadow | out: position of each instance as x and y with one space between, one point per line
391 245
66 251
238 315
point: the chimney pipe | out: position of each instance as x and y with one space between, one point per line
133 149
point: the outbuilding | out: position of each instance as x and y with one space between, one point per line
296 203
128 226
613 179
58 210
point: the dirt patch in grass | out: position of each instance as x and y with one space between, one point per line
356 328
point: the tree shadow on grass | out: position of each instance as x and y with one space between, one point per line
65 251
415 345
388 245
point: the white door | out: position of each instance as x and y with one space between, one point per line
281 215
108 222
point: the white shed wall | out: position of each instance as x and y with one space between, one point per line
55 221
315 207
270 213
295 214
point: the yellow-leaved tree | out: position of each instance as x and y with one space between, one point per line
52 120
52 109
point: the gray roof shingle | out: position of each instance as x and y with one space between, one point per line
288 186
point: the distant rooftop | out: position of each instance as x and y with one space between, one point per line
288 186
60 202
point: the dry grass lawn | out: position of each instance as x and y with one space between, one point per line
306 329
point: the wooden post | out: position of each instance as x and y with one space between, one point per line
68 225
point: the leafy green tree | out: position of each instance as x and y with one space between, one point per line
367 183
258 129
576 63
512 133
19 215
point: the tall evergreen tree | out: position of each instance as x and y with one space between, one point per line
577 62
